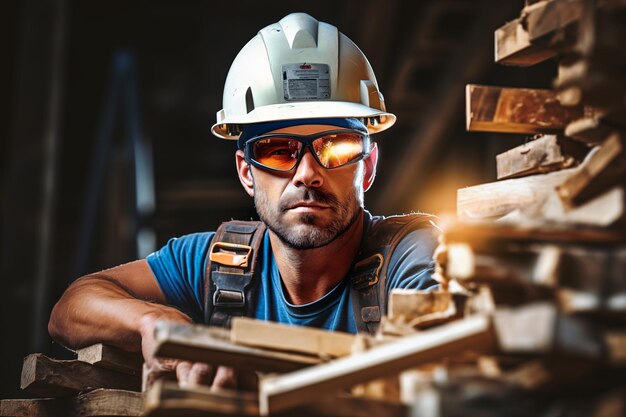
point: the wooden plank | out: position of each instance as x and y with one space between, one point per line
535 198
539 328
97 403
513 46
109 357
483 233
497 199
516 110
542 31
48 407
409 305
205 344
166 399
605 167
589 130
287 391
593 270
44 376
545 154
298 339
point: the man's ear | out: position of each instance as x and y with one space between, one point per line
370 167
245 175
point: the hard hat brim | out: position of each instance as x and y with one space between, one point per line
303 110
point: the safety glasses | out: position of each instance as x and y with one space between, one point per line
331 149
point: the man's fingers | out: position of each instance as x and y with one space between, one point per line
183 368
191 375
159 368
201 374
225 378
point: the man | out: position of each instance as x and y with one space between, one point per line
302 101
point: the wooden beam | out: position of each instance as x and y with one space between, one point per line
593 271
109 357
535 198
605 167
166 399
406 305
298 339
49 377
97 403
489 234
543 30
287 391
516 110
545 154
205 344
47 407
589 130
539 328
493 200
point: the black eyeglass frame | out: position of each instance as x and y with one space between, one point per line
307 141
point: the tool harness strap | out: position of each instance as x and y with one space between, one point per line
231 286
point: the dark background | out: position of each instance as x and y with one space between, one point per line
56 76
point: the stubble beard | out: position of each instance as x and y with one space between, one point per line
309 230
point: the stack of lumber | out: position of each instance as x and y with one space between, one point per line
101 381
542 250
446 361
530 318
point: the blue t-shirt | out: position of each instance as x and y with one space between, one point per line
179 269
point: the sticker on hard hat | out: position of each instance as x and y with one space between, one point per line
306 81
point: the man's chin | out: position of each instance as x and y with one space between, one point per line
304 235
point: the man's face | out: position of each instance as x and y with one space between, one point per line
309 206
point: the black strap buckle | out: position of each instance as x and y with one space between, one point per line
366 271
230 289
228 298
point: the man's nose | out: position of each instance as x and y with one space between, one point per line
308 172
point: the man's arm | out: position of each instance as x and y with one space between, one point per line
120 307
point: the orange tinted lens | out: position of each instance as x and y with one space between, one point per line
277 153
338 149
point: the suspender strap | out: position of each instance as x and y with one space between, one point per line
229 277
369 273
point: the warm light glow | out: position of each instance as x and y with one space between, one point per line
334 154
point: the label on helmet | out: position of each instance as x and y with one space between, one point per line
306 81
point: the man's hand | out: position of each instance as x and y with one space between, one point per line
188 374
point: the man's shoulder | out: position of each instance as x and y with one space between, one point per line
402 224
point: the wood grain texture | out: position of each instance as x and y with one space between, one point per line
496 199
545 154
603 169
202 344
298 339
516 110
589 130
97 403
540 328
287 391
167 399
536 199
541 32
482 234
55 378
406 305
598 271
109 357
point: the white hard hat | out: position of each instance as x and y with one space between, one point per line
300 68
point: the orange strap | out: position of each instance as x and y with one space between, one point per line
230 257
